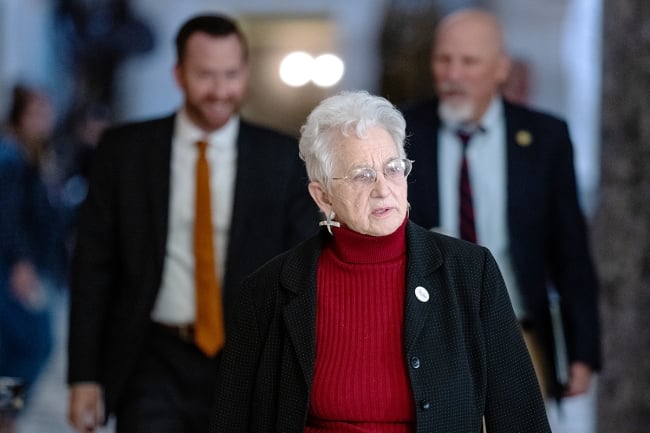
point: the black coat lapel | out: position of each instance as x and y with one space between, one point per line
522 166
158 166
298 278
422 282
245 172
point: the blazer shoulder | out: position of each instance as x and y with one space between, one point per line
141 125
132 131
532 116
293 270
421 239
423 109
255 130
128 137
421 128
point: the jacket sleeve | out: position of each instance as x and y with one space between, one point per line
513 401
571 266
237 370
93 269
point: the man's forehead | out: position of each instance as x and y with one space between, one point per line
475 43
469 30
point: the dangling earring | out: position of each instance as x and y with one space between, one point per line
329 222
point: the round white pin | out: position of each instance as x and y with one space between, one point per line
422 294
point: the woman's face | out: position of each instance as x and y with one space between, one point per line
37 121
374 208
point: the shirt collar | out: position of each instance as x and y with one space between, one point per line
222 137
492 115
488 121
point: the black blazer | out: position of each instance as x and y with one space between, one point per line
122 235
463 348
547 230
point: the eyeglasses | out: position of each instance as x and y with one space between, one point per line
394 170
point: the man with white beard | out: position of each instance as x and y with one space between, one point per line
502 175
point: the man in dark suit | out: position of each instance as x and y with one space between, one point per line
132 341
519 198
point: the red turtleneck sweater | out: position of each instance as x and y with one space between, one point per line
361 382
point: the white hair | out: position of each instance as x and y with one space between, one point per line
347 114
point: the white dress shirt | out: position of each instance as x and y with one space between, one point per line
176 299
487 160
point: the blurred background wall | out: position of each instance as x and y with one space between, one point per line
380 41
385 46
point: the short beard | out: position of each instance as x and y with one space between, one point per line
455 115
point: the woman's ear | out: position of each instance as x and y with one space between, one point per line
320 195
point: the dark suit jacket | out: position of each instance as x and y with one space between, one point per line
548 237
120 248
463 348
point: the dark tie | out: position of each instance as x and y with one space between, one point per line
209 333
466 207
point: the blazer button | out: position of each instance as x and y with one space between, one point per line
415 362
425 404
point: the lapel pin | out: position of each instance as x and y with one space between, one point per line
422 294
523 138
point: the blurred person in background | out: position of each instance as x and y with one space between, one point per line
83 130
92 39
502 175
517 86
31 254
139 344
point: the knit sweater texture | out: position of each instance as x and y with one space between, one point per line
361 382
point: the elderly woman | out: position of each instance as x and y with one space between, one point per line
375 324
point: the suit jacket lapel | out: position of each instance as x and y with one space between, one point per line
423 284
299 313
518 171
298 278
246 169
158 166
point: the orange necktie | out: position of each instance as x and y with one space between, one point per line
209 333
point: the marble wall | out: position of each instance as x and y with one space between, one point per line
622 224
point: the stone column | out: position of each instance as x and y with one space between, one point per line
622 223
405 45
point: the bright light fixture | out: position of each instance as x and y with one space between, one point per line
296 68
328 70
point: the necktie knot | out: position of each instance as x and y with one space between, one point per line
466 132
202 145
465 136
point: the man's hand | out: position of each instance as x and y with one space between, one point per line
85 407
580 378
